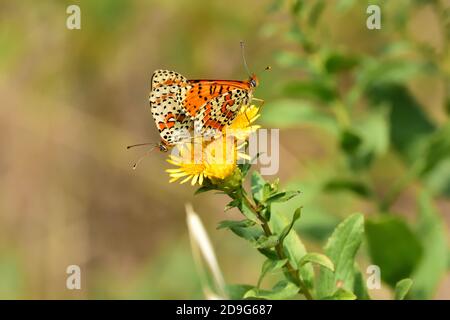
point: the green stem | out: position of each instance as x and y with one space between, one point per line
278 247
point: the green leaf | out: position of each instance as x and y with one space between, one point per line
232 204
360 160
237 291
270 266
360 288
288 228
437 148
408 122
281 291
374 130
265 242
393 247
341 248
315 12
401 288
387 73
269 253
358 187
433 264
295 33
344 5
266 192
291 113
235 224
317 258
341 294
258 184
350 141
297 6
317 225
282 196
290 59
337 62
275 185
266 213
203 189
436 160
368 138
437 180
319 89
243 230
247 211
244 167
293 248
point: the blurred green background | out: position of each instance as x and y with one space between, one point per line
364 127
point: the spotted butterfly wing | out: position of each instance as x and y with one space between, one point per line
214 104
166 100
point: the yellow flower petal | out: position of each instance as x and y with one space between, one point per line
174 179
172 161
194 179
244 156
174 170
179 174
186 180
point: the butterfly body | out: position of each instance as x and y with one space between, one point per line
181 106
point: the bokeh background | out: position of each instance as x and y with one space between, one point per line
364 128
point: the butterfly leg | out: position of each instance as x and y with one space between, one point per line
260 106
260 101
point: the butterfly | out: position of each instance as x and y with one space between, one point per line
180 106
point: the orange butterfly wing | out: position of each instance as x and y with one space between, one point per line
215 103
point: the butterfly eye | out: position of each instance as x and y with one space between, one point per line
253 82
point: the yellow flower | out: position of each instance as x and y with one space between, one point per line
242 126
209 159
190 162
215 160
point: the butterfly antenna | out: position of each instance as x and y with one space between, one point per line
139 161
141 144
243 59
142 157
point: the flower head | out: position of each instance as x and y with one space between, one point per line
214 159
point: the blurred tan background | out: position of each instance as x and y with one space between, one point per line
73 99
